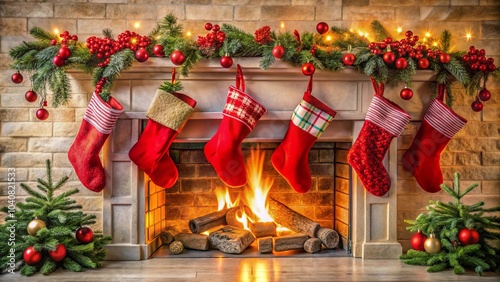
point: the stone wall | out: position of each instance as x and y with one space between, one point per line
26 142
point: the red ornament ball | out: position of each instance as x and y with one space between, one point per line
348 59
477 106
158 50
418 240
308 69
58 254
58 61
177 57
42 114
278 51
444 58
84 235
226 61
423 63
142 55
322 27
17 78
64 52
53 42
389 57
484 95
31 256
464 236
474 236
208 26
406 93
401 63
216 27
30 96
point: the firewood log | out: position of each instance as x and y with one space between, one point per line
312 245
291 219
263 229
231 218
209 221
193 241
265 245
167 235
231 240
290 242
329 237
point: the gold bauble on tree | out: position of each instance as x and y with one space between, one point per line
432 245
35 225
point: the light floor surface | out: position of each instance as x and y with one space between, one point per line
256 269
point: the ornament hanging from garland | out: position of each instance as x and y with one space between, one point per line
349 59
308 69
226 61
31 256
17 77
477 106
84 235
177 57
142 55
406 93
278 51
159 50
322 27
30 96
484 95
35 225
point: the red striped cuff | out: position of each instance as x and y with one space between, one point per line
101 115
387 115
444 119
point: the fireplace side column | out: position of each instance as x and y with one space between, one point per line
374 219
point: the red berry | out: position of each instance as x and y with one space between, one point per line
53 42
308 69
408 34
388 40
17 77
477 106
278 51
484 95
177 57
208 26
401 63
389 57
492 67
216 27
58 61
226 61
423 63
483 68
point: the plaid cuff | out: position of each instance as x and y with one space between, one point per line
242 107
311 119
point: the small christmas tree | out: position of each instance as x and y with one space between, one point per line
464 233
48 231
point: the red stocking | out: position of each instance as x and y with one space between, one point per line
223 151
384 121
440 124
310 118
167 115
97 124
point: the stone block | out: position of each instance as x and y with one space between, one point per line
60 160
59 114
8 144
341 214
111 1
172 213
317 199
49 24
341 156
52 144
206 170
313 156
90 203
22 159
325 184
247 13
17 100
405 13
94 26
326 156
342 200
193 157
26 129
163 10
180 200
288 13
357 13
194 212
490 158
490 187
342 170
9 114
321 169
26 10
289 199
464 2
323 212
205 200
212 12
342 185
80 10
355 2
57 173
13 175
195 185
66 129
476 173
457 13
491 113
131 12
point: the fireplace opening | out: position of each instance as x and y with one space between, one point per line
194 195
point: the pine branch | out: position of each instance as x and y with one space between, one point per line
48 267
41 34
445 41
380 31
170 87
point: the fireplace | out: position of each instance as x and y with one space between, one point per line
371 232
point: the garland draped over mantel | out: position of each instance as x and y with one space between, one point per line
388 60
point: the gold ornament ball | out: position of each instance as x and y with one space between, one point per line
34 226
176 247
432 245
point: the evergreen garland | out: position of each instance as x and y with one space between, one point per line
62 217
446 220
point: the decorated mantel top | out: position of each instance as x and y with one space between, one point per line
387 60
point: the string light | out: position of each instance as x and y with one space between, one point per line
468 35
188 34
434 43
56 31
282 25
366 34
427 34
137 24
400 29
328 38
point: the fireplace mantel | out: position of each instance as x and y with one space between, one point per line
279 89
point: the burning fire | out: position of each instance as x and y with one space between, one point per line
254 194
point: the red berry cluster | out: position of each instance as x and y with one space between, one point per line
103 48
213 40
66 37
263 35
100 84
476 60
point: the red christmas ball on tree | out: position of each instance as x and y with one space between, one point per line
42 114
177 57
58 254
30 96
417 241
278 51
308 69
226 61
348 59
389 57
474 236
58 61
142 55
423 63
444 58
64 52
406 93
158 50
477 106
484 95
322 27
17 77
401 63
31 256
84 235
468 236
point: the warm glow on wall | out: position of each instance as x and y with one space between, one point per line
137 24
188 34
56 31
282 25
468 36
400 29
328 38
427 34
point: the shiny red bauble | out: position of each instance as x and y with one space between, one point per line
177 57
484 95
308 69
58 254
64 52
348 59
58 61
468 236
389 57
208 26
216 27
401 63
17 77
406 93
322 27
417 241
84 235
30 96
226 61
142 55
158 50
278 51
31 256
423 63
477 106
444 58
42 114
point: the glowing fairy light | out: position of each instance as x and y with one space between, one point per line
328 38
188 34
137 24
361 33
56 31
434 43
400 29
366 34
282 25
427 34
468 35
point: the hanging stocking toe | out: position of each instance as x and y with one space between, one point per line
97 124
